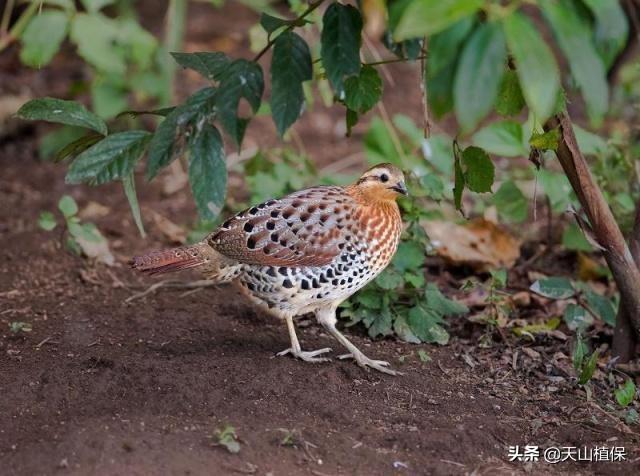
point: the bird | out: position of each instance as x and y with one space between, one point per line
306 252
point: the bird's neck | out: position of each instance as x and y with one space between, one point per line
376 202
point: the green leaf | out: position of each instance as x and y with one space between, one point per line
163 112
108 98
573 239
351 120
626 393
510 100
60 111
478 74
389 279
557 187
72 149
410 255
340 43
363 91
242 79
167 140
444 46
588 369
576 317
96 5
42 37
381 325
511 202
129 185
112 158
210 65
573 34
95 36
579 352
440 91
290 67
271 23
403 330
425 324
612 28
369 298
590 143
68 206
439 303
415 18
545 140
602 306
47 221
553 288
478 169
207 171
536 66
501 138
378 144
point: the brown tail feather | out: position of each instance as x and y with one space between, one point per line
175 259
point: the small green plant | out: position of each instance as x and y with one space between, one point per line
626 393
81 238
17 327
227 437
583 362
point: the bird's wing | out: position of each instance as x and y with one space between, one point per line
301 229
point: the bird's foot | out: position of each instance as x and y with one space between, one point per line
307 356
365 362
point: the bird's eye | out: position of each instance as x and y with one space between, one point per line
384 178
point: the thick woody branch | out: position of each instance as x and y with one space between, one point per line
607 232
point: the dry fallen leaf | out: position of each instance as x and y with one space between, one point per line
174 233
478 243
93 211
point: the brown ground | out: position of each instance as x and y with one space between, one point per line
104 387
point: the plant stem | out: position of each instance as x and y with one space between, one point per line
19 26
6 17
174 34
292 25
394 60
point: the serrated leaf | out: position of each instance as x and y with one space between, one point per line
625 394
47 221
42 37
573 33
241 79
441 304
478 74
425 324
510 100
207 171
410 255
210 65
60 111
340 43
545 140
271 23
553 288
290 67
536 66
501 138
381 324
389 279
478 169
113 158
68 206
363 91
511 202
369 298
403 330
129 185
167 142
416 18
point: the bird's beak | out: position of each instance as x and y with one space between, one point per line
401 188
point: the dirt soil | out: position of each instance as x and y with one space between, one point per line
105 387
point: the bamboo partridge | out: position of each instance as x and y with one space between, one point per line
305 252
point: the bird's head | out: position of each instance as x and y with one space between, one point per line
382 182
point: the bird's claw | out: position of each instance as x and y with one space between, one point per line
366 363
307 356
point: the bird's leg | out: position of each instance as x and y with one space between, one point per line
327 317
295 349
